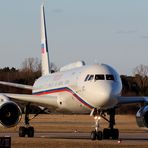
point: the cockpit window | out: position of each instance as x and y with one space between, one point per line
90 77
99 77
110 77
86 78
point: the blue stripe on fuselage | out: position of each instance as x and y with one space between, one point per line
63 89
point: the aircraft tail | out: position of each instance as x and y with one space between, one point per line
45 63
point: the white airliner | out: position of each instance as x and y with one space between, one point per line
76 88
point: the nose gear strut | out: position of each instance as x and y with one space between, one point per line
96 134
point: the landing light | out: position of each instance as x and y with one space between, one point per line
97 117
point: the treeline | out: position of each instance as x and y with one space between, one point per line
27 74
17 76
136 85
133 86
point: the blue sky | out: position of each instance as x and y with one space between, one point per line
114 32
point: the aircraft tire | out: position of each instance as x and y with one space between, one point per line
99 135
22 131
106 133
30 132
93 135
115 134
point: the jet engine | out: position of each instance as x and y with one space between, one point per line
142 117
10 112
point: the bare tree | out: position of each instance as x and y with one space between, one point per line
53 67
141 77
34 65
31 65
141 70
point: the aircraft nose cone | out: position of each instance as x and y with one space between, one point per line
105 93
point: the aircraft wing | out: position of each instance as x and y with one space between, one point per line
48 101
17 85
127 100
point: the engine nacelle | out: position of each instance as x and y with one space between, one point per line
142 117
10 112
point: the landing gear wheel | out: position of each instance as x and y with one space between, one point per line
115 134
111 133
106 133
96 135
93 135
26 131
22 131
30 131
99 135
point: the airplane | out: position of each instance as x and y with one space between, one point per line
76 88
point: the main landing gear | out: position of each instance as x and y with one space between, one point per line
28 130
108 133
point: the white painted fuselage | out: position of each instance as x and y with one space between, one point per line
81 89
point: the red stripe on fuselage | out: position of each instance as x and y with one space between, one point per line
64 90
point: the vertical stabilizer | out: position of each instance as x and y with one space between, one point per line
44 45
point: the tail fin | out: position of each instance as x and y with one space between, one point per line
44 45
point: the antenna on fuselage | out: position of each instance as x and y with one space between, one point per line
45 62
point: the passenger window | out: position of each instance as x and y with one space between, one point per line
99 77
86 78
110 77
91 77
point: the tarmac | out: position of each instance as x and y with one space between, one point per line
138 138
129 136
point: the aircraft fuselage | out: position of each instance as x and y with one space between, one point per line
81 89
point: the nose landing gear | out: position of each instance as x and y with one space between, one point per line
108 133
96 134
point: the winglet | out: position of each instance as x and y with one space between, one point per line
44 45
